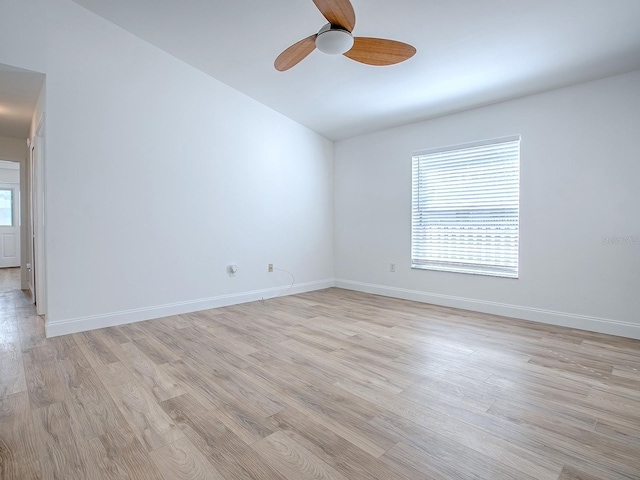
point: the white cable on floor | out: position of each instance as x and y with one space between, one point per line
284 292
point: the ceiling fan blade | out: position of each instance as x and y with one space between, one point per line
338 12
295 53
379 52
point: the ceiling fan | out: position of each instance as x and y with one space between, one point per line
335 38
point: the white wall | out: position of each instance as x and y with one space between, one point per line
580 172
158 177
213 177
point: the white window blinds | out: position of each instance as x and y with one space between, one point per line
465 208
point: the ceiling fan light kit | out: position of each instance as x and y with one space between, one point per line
334 41
336 38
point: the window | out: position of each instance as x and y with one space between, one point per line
6 208
465 208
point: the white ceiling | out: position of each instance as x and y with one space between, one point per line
470 52
19 91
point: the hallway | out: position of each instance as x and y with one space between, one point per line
20 329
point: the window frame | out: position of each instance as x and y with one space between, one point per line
503 269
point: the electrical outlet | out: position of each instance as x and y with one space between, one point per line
271 268
392 267
232 269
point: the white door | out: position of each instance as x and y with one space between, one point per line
9 225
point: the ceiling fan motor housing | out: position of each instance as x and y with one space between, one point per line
334 40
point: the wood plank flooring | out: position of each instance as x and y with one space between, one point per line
9 279
326 385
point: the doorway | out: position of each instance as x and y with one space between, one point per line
22 214
10 211
9 222
11 225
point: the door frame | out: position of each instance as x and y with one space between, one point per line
36 182
24 218
24 189
31 272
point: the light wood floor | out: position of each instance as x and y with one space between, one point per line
9 279
325 385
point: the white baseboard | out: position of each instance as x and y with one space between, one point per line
571 320
75 325
581 322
